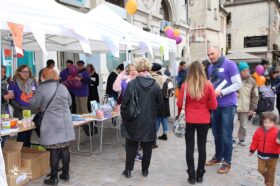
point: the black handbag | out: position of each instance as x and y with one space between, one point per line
132 109
38 118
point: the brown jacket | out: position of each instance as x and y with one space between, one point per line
248 96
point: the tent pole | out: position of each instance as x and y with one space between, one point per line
1 59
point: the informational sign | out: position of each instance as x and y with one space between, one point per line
255 41
78 3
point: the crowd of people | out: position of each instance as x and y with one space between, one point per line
213 91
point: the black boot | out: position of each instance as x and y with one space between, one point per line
145 173
54 160
126 174
51 181
163 137
191 178
199 176
65 154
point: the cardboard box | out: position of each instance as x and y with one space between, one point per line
20 180
35 161
12 155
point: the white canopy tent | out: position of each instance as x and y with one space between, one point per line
49 26
118 32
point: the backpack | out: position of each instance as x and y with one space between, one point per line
168 88
132 109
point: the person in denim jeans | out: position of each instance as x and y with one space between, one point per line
225 77
165 111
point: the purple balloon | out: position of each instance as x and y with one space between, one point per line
169 33
260 70
178 40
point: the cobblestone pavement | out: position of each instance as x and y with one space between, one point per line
167 166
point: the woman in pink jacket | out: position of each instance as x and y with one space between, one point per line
120 85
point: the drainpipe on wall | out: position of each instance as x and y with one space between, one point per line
269 27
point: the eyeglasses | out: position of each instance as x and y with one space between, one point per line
25 72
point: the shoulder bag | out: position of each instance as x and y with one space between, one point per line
39 116
179 126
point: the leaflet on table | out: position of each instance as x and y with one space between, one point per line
221 85
8 131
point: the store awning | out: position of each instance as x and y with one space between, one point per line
243 56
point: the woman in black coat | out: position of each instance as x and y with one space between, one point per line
94 82
141 129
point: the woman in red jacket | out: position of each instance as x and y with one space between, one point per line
199 100
266 141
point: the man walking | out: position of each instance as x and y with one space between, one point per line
226 79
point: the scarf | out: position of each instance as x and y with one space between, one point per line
214 76
25 87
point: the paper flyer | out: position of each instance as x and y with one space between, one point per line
221 85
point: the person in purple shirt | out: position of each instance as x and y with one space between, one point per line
82 92
23 87
64 74
225 77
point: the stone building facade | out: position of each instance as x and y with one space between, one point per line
207 27
253 27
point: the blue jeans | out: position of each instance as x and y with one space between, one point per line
164 121
222 128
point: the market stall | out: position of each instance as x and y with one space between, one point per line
33 25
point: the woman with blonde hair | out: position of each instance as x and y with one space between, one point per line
56 130
141 127
200 98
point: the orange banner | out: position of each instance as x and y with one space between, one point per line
17 31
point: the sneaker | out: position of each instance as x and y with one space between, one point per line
242 142
138 157
163 137
213 162
225 168
234 143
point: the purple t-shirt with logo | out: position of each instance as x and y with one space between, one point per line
226 71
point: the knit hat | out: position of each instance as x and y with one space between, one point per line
243 66
156 67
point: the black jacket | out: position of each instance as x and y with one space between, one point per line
109 88
143 128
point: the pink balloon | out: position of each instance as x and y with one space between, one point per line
178 40
260 70
169 33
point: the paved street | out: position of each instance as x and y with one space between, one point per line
167 168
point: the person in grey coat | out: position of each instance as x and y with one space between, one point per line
57 129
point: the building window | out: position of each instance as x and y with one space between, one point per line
215 14
209 7
116 2
164 11
228 41
229 18
222 24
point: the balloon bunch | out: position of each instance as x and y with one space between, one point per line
173 34
258 75
131 7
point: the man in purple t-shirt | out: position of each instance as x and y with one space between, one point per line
225 77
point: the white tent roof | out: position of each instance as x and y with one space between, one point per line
120 31
50 25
